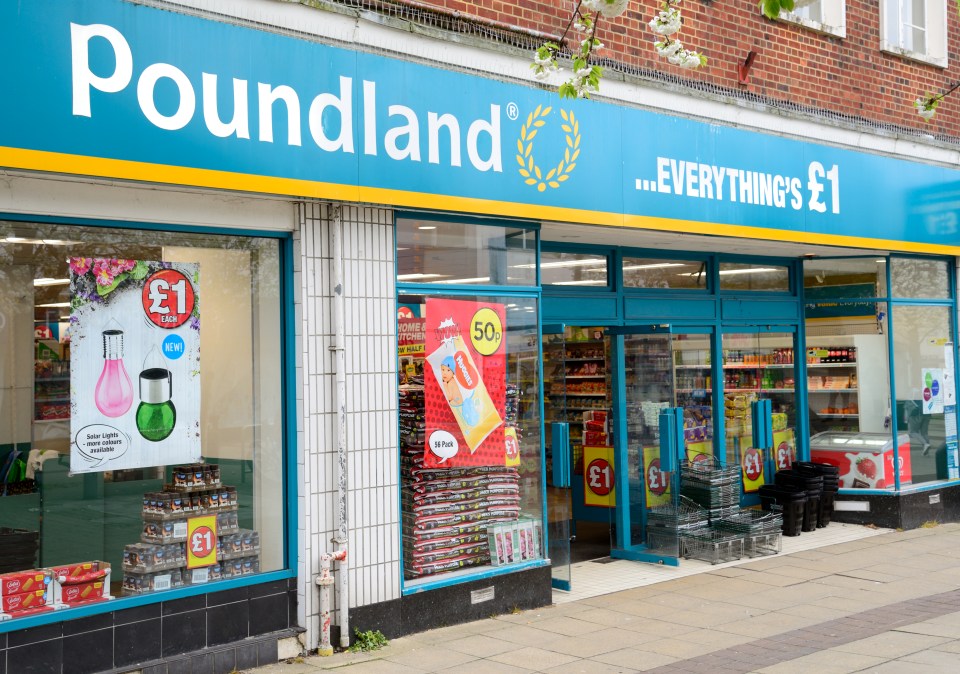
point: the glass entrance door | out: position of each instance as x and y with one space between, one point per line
759 364
657 371
558 458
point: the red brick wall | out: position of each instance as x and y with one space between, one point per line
850 76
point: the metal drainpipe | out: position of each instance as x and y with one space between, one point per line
340 396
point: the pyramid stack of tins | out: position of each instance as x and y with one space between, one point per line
159 561
447 512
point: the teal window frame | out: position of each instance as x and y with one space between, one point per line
288 411
473 290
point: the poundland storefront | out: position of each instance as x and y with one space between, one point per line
439 317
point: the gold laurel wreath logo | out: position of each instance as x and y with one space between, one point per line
528 167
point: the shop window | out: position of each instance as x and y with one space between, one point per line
646 272
470 461
458 253
140 412
918 278
824 16
848 390
573 269
915 29
925 393
749 276
844 278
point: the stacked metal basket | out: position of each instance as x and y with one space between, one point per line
669 524
713 487
761 531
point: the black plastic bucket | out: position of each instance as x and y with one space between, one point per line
827 499
793 501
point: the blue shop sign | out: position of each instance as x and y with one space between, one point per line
111 88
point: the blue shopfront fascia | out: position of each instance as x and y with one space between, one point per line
288 355
115 89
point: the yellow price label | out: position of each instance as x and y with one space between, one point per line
486 331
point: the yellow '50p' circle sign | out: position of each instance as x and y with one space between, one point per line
486 331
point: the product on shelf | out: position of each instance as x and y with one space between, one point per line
159 561
448 513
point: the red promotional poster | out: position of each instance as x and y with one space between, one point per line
464 384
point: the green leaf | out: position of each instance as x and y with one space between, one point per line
139 271
567 91
103 291
787 5
770 8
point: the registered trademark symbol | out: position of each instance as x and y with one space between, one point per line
512 110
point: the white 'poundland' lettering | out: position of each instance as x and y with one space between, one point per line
329 115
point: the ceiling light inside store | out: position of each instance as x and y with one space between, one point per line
731 272
50 281
478 279
427 227
53 305
564 263
417 277
38 242
658 265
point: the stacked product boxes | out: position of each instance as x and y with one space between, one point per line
159 561
449 512
34 591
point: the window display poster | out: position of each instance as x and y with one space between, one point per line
949 385
135 364
465 383
932 390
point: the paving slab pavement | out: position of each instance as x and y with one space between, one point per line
859 606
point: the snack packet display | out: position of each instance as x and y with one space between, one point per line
465 391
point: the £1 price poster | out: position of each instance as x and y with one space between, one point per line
464 384
135 364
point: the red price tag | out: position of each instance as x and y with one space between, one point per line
752 464
202 542
600 477
168 298
656 478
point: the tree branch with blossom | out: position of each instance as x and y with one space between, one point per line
585 78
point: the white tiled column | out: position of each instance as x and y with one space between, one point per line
371 406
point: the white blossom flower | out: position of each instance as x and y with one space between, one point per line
668 47
926 108
541 75
546 62
608 8
691 60
666 22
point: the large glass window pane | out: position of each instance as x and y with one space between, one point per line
919 278
759 366
924 366
469 434
457 253
848 391
218 403
643 272
746 276
573 269
844 278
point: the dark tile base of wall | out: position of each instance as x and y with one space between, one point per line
202 634
903 511
454 604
